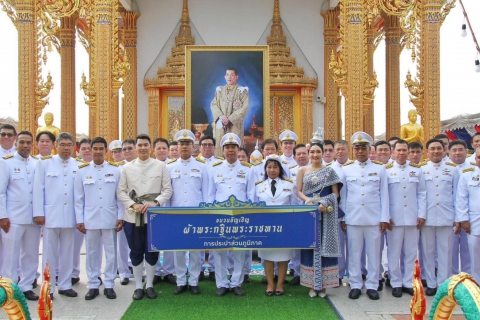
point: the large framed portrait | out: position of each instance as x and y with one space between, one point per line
227 90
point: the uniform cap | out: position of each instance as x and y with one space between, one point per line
288 135
230 138
115 145
184 135
360 138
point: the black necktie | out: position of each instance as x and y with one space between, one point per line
273 187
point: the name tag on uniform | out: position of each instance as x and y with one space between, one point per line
109 175
372 174
287 189
195 170
413 174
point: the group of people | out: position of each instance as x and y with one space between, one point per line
388 198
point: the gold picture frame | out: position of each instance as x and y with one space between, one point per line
204 76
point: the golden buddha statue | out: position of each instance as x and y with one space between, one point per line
412 131
48 118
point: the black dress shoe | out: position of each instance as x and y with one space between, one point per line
124 281
138 294
91 294
151 294
201 276
373 294
424 283
34 284
269 293
264 280
170 279
354 293
387 283
30 295
408 290
109 293
211 275
364 277
397 292
431 291
221 292
380 286
246 279
194 290
180 289
238 291
295 281
69 293
157 279
75 280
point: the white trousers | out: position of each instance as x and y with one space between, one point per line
221 271
343 259
168 266
181 267
77 248
440 239
123 255
474 247
211 260
21 245
295 262
58 251
248 262
357 237
403 242
383 259
461 254
1 253
95 239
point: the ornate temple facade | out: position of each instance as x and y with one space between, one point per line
334 40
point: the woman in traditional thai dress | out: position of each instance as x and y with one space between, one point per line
277 190
320 186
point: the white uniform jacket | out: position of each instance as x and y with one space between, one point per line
189 182
468 195
283 194
366 200
441 180
226 179
149 176
406 187
16 188
96 203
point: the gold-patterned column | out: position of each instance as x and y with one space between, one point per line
429 58
67 57
154 112
104 39
330 88
306 97
129 115
393 36
27 65
368 103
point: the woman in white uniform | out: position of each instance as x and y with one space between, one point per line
275 190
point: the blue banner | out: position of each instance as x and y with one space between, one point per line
232 225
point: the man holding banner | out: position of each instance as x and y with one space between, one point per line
228 177
190 181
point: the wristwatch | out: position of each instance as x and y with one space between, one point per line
158 203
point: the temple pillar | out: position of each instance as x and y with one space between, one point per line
67 57
429 66
129 112
393 36
368 104
306 97
28 113
330 88
154 112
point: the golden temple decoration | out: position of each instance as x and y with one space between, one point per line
418 304
45 303
60 9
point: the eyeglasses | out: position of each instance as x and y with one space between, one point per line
209 145
127 149
63 145
4 134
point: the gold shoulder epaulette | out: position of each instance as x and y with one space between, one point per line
246 164
284 162
121 163
256 163
220 158
377 162
200 160
35 157
468 169
83 165
289 180
80 160
171 161
473 163
293 166
388 166
8 156
348 163
328 164
259 181
112 163
217 163
450 164
416 165
47 157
